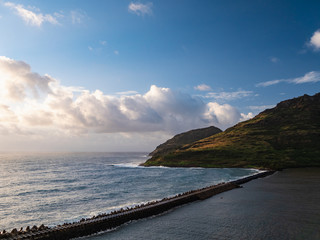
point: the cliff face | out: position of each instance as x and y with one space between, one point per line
184 138
285 136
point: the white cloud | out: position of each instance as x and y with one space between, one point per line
103 42
245 117
31 17
222 115
315 40
255 110
260 108
128 93
116 52
274 59
310 77
203 87
227 96
18 82
269 83
98 46
140 9
78 16
38 108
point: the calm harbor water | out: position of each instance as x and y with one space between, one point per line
53 188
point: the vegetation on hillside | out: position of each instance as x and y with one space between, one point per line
285 136
184 138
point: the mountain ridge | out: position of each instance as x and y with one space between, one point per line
285 136
184 138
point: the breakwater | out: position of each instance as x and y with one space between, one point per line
114 219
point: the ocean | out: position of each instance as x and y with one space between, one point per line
54 188
283 206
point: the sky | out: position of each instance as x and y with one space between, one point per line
118 75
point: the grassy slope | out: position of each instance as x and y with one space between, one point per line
285 136
184 138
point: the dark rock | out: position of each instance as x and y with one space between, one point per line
34 228
42 227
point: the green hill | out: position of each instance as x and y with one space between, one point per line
285 136
184 138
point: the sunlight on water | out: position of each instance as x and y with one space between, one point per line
57 188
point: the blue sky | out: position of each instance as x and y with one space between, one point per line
116 75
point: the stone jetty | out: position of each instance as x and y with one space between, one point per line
104 222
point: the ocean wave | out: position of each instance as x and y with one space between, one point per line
78 185
127 165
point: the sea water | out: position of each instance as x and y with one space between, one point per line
54 188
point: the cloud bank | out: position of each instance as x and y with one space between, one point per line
310 77
32 104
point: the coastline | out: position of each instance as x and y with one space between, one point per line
282 206
114 219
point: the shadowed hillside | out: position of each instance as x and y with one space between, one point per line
184 138
285 136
